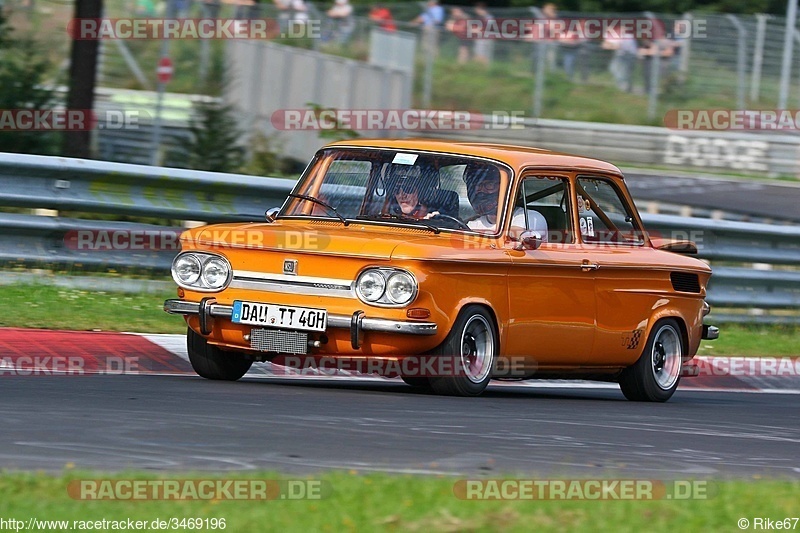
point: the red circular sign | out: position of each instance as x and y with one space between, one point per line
164 70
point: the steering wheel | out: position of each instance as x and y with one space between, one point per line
458 222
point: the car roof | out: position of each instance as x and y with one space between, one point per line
517 157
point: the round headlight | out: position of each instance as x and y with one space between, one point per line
400 287
215 273
371 286
186 269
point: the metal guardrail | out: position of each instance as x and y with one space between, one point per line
41 240
122 189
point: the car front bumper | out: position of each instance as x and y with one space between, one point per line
358 322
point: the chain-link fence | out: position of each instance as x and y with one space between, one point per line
725 61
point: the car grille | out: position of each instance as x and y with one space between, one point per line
684 282
279 341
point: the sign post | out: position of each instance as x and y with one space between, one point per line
164 73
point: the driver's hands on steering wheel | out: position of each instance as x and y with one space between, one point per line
430 215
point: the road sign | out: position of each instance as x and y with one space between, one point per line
164 70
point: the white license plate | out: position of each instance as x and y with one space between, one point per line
279 316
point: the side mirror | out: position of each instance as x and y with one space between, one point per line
529 240
272 213
678 246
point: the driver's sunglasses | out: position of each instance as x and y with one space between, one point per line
407 188
486 186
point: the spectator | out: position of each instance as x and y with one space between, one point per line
648 49
625 52
243 9
284 13
432 17
182 8
573 53
457 25
299 13
550 12
483 47
381 15
341 17
431 21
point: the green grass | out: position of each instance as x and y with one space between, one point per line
43 306
378 502
737 339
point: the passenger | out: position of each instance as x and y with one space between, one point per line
483 191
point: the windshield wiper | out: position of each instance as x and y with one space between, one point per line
326 205
399 218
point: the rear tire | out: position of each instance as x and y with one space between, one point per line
473 345
211 362
655 376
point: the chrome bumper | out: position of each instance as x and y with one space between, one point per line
356 323
710 332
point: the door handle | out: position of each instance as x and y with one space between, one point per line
588 266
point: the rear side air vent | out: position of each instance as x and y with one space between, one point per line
684 282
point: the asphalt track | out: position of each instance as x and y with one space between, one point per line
750 197
176 422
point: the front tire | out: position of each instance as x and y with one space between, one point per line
473 345
212 363
655 376
417 383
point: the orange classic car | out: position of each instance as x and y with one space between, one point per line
448 264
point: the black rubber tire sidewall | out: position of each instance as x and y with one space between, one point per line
212 363
637 382
460 385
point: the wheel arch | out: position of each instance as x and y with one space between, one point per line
492 312
682 328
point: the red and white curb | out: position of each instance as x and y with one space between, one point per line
30 352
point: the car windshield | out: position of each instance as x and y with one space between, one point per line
438 191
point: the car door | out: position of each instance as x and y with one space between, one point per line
614 246
551 293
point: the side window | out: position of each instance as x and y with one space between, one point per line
604 214
542 206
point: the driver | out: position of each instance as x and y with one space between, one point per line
407 187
